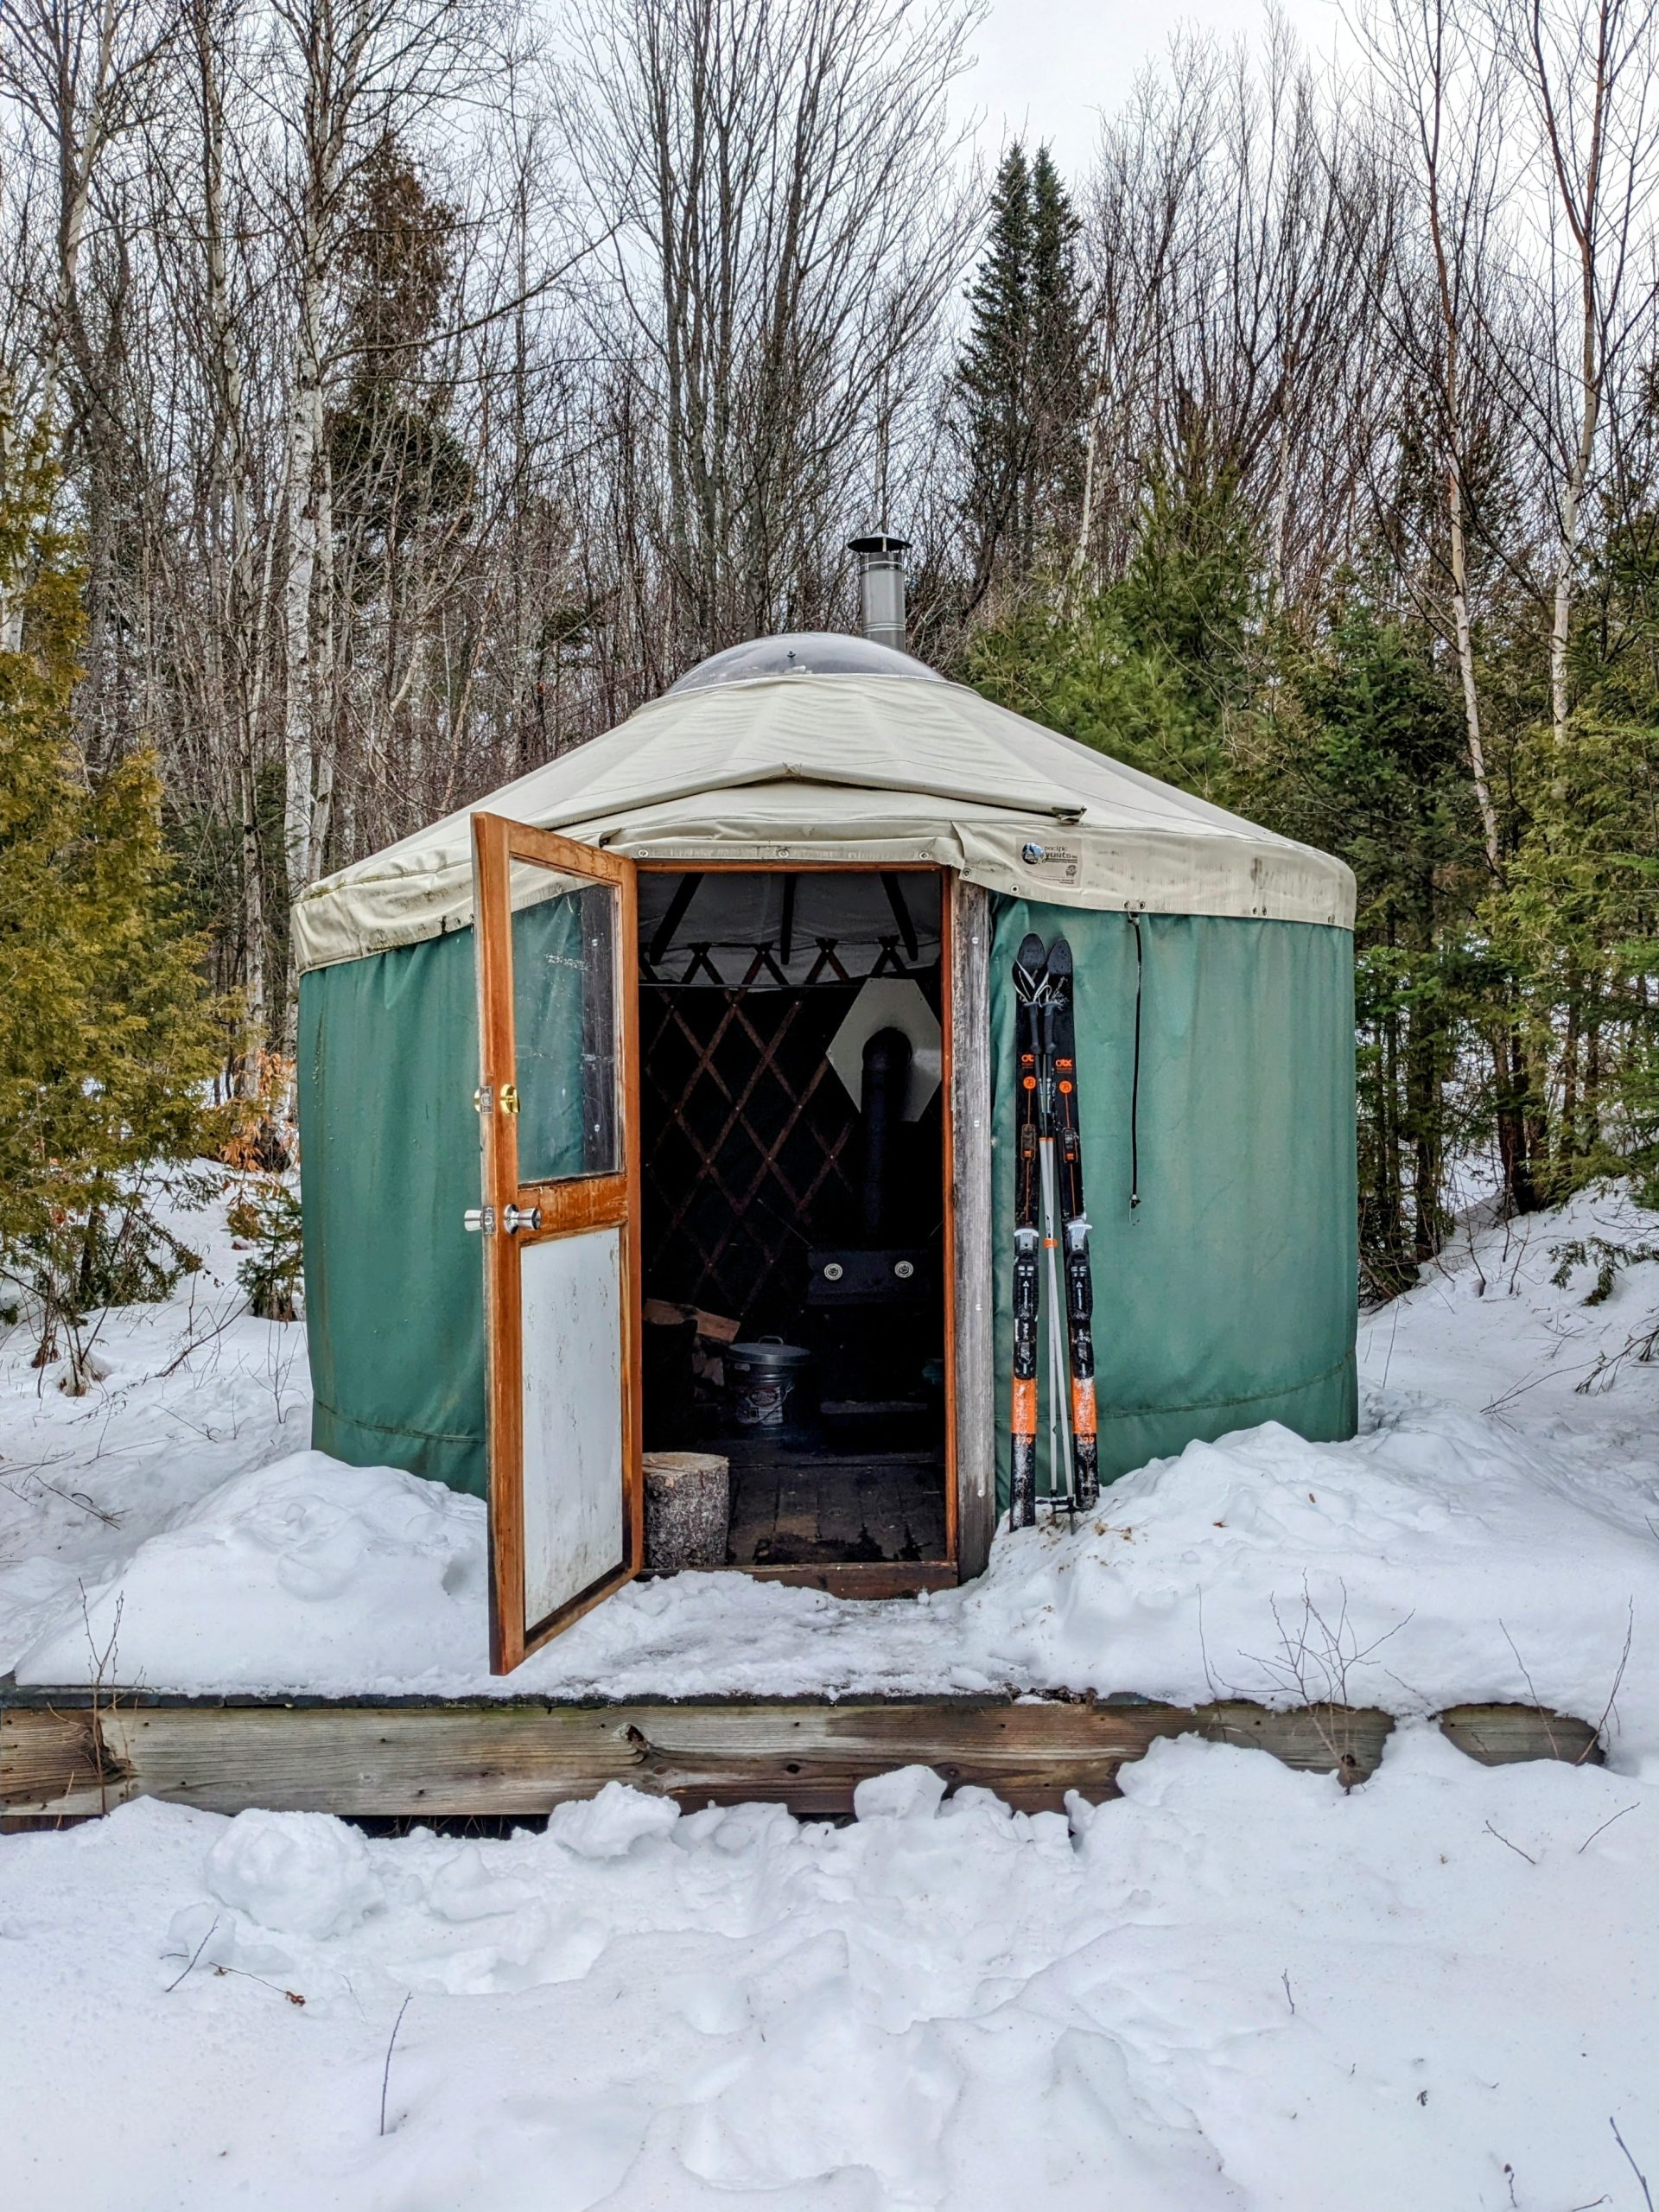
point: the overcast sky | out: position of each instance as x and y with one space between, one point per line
1047 69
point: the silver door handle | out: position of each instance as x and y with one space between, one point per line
482 1219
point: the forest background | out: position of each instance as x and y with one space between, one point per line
395 393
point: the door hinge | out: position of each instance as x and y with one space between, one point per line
479 1219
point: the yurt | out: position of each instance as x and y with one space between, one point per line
664 1102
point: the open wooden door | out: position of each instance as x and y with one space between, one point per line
557 947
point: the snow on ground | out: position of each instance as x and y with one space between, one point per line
1236 1988
193 1391
1493 1533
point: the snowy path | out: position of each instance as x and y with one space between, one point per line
1235 1987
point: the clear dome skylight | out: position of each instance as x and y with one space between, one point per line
802 652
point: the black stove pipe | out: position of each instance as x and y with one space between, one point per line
885 1080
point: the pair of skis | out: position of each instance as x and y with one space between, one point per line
1051 1235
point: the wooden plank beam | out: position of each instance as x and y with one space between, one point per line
498 1758
1501 1735
61 1757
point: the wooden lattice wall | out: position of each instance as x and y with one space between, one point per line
751 1143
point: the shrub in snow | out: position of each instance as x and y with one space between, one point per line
268 1216
107 1038
301 1873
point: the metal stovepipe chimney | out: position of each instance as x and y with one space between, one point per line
881 588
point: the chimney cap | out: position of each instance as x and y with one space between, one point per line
878 542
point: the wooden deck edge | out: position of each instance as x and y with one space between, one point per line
71 1754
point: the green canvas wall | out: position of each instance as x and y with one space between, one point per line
394 1290
1226 1297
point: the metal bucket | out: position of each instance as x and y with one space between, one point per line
762 1378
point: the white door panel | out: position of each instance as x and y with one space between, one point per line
573 1394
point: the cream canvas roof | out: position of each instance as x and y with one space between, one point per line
849 767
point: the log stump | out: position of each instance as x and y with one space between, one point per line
687 1507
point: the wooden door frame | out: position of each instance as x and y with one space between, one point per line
567 1207
969 1164
969 1452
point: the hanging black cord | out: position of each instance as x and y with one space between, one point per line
1135 1079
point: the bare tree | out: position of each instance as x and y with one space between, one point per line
85 71
784 250
232 645
1230 235
1447 118
1588 66
350 74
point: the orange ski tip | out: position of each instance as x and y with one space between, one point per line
1024 1406
1082 1407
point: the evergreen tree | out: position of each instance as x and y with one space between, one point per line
1577 914
1020 377
1060 343
1154 668
1361 753
107 1040
1351 742
394 462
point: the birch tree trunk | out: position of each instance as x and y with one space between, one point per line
1572 505
235 593
1456 539
325 731
1460 561
299 673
